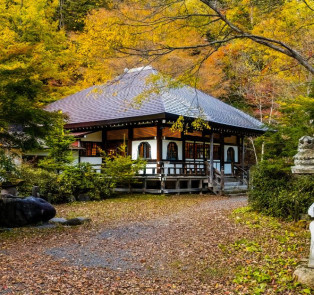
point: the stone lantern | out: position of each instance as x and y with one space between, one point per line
304 164
304 159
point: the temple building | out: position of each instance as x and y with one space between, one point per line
107 115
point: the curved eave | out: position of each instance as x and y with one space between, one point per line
160 116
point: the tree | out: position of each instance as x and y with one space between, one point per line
72 13
35 61
280 26
60 155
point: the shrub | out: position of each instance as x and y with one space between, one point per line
277 192
7 167
82 179
46 180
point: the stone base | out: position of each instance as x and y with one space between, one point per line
305 274
302 169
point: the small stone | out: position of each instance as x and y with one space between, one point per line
77 221
83 198
305 275
58 220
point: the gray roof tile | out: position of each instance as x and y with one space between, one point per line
115 100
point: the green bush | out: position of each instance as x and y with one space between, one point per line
7 167
74 180
67 186
46 180
277 192
82 179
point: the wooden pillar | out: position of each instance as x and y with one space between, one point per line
130 139
211 159
183 146
200 186
104 139
144 185
243 153
190 185
178 186
183 153
222 151
159 148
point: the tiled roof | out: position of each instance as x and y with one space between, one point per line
115 100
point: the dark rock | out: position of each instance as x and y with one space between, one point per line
77 221
83 198
15 212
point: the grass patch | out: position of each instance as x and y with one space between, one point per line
268 255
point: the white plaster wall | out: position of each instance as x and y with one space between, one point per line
76 157
95 136
153 148
165 145
94 161
37 153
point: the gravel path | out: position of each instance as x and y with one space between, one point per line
174 254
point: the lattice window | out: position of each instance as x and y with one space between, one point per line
172 151
144 150
91 149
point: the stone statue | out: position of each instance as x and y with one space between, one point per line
304 159
311 260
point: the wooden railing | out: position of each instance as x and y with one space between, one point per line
177 168
240 173
218 178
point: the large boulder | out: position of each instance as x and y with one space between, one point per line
15 212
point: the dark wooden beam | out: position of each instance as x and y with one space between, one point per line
222 151
130 139
211 157
159 147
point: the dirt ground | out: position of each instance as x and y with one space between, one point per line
141 245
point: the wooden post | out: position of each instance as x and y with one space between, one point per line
162 184
243 153
211 157
144 185
159 148
222 152
200 186
104 139
178 186
130 139
190 185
